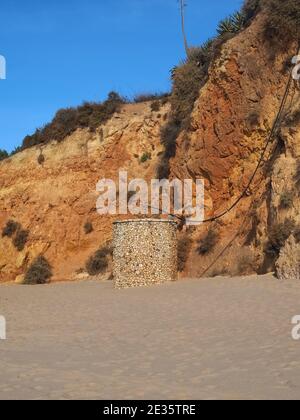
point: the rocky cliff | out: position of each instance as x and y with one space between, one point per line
55 199
230 123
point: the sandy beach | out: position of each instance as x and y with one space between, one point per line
194 339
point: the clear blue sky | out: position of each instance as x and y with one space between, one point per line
62 52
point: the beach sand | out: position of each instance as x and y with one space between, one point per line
193 339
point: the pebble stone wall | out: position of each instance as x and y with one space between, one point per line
145 252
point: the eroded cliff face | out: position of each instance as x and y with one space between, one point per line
229 127
53 201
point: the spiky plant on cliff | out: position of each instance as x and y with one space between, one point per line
233 24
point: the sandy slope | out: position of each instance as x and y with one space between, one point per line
221 338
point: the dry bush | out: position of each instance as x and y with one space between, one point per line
282 19
155 106
293 118
10 228
66 121
252 119
296 234
168 136
14 230
98 262
183 249
297 175
250 9
41 159
246 263
3 154
147 97
286 200
39 272
278 234
218 271
88 228
20 239
208 242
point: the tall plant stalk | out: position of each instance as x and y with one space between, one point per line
182 6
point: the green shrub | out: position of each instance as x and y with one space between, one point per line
20 239
145 156
183 250
3 154
233 24
208 243
39 272
10 228
98 262
286 200
88 228
278 235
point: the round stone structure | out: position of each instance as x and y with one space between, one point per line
145 252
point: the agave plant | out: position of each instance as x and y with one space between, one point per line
207 46
238 21
225 26
232 24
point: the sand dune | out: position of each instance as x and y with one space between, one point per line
194 339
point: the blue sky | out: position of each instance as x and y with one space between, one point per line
62 52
